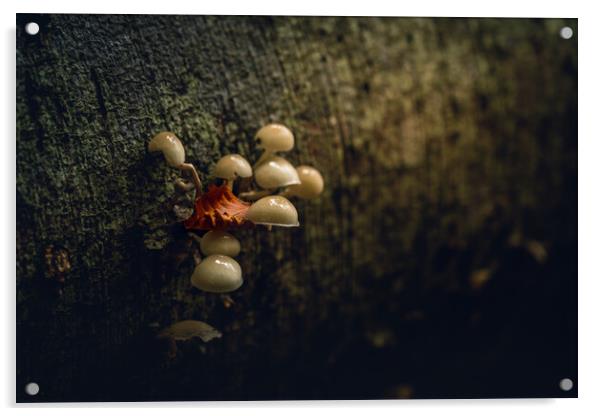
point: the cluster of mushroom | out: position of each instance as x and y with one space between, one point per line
219 210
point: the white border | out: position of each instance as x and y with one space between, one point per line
590 188
469 8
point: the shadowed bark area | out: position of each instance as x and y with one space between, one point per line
440 260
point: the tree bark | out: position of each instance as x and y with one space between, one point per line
449 153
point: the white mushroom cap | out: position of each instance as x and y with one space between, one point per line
217 274
276 172
220 242
275 138
171 146
273 210
232 166
312 183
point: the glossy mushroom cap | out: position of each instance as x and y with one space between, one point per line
230 167
276 172
312 183
220 242
275 138
273 210
171 146
217 274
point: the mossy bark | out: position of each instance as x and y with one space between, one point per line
448 148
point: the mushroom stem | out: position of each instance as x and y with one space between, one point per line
255 195
196 255
195 176
196 238
229 183
266 154
184 186
286 192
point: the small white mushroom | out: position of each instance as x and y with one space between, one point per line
171 146
217 274
219 242
174 154
311 186
231 167
276 172
273 210
274 138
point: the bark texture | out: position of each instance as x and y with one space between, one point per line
439 262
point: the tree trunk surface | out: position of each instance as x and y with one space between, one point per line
440 261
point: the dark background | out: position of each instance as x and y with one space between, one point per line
440 262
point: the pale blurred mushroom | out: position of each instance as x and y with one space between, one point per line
231 167
217 274
311 186
173 152
219 242
185 330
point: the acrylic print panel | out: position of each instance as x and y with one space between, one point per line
399 223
